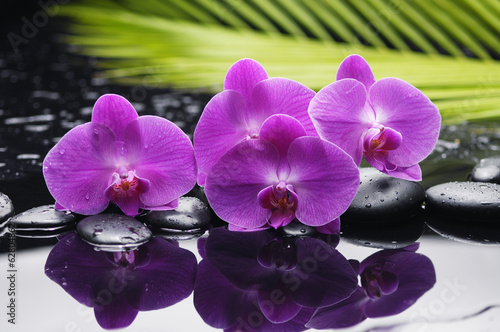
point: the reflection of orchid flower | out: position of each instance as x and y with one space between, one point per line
390 122
289 273
118 285
136 162
391 281
236 114
285 174
222 305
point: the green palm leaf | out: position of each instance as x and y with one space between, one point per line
445 48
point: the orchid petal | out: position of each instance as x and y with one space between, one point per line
169 206
235 180
117 314
324 178
162 153
266 198
234 254
320 264
356 67
412 173
115 112
243 76
339 113
78 168
277 305
281 130
405 109
235 228
280 218
282 96
218 301
168 278
222 124
344 314
333 227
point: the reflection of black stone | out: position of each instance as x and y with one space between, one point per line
388 235
113 232
488 170
43 222
383 198
465 231
472 201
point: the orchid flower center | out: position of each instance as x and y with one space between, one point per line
282 201
380 139
124 190
280 254
253 134
125 182
377 281
124 258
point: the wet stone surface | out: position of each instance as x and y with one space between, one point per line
43 222
487 170
113 232
298 229
466 201
6 207
191 214
381 198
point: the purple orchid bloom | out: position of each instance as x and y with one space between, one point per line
282 271
237 113
118 285
390 122
135 162
284 175
222 305
391 281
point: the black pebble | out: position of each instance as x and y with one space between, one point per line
191 214
296 228
6 207
382 198
488 170
466 201
43 222
113 232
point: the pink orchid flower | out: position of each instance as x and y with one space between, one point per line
389 122
237 113
135 162
281 176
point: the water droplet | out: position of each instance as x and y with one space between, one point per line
368 205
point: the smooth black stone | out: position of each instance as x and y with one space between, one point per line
384 235
113 232
298 229
467 201
464 231
6 207
43 218
191 213
382 198
488 170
